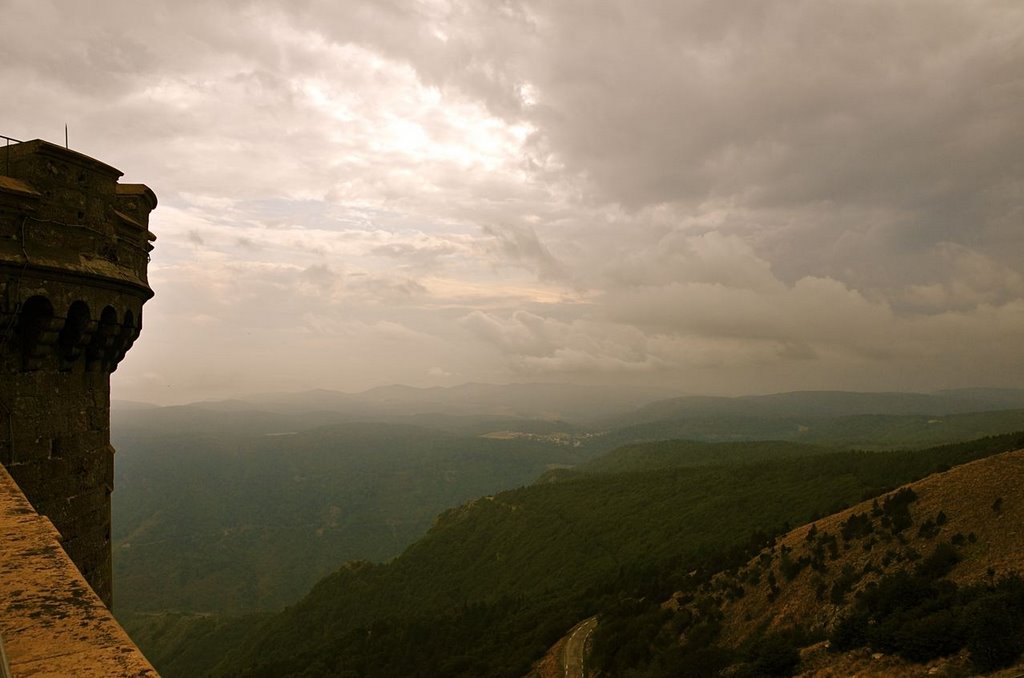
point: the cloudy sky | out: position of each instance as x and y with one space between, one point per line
721 197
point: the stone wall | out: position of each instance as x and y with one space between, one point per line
74 246
51 624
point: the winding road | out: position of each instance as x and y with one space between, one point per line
574 654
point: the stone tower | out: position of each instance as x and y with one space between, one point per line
74 246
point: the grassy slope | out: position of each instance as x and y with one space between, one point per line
980 507
964 495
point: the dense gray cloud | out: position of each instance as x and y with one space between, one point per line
721 196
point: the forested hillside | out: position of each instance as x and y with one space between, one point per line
222 509
498 580
245 509
875 431
232 523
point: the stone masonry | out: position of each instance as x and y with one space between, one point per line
74 247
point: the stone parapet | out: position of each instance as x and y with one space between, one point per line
51 622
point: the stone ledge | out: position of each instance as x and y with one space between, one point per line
51 622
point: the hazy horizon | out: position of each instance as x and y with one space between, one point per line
719 198
656 392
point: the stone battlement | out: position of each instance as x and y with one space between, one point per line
67 212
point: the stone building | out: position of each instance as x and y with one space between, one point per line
74 247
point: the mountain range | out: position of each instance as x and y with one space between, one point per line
239 507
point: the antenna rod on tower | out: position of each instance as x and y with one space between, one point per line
65 135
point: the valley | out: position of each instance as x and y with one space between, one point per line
475 525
